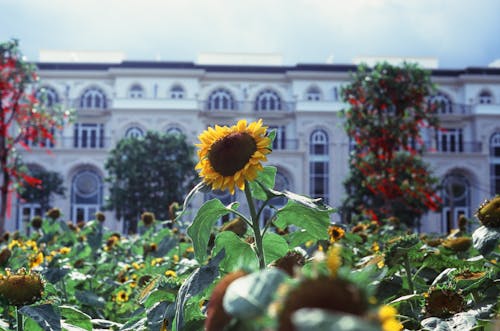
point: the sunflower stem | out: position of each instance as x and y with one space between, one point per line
20 326
406 265
255 227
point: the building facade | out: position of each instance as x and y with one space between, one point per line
302 102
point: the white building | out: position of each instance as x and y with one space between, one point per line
125 98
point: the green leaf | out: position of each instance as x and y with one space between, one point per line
199 187
166 244
199 231
238 252
306 319
155 315
460 321
44 315
200 279
485 239
299 237
315 221
54 275
265 178
249 296
75 317
275 246
90 299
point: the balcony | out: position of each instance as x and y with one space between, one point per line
245 107
285 145
454 109
432 147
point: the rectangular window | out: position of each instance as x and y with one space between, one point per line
88 135
40 141
450 140
280 139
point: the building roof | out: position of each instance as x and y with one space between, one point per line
77 66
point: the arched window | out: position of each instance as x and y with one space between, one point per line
93 98
47 96
268 100
319 165
313 94
86 195
495 163
177 92
220 99
456 200
134 132
485 97
442 102
173 130
136 92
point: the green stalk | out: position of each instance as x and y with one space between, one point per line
20 326
255 227
406 265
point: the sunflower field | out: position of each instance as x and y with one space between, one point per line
293 271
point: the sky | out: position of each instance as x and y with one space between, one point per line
458 33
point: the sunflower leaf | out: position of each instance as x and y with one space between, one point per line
199 231
45 315
264 182
485 239
314 220
238 252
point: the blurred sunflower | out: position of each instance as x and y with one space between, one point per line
229 156
122 296
335 233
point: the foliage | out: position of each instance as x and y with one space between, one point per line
148 174
51 184
387 110
24 119
98 279
309 274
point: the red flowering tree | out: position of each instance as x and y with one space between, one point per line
23 119
387 110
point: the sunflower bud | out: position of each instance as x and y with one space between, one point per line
100 217
488 213
22 288
217 318
332 294
288 263
237 225
36 222
460 244
147 218
5 255
443 303
54 213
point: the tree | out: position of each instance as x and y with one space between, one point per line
51 184
149 174
388 108
23 118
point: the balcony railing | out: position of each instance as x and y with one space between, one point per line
286 145
71 142
457 147
245 106
454 109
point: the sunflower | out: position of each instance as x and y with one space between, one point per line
335 233
229 156
121 296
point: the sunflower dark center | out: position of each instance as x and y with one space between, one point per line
230 154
